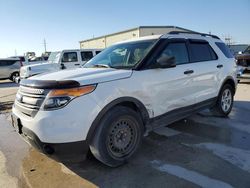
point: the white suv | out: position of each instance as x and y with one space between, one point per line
124 92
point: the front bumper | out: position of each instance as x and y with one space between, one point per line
68 124
63 152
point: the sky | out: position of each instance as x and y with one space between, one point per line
24 24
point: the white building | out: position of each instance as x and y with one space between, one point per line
107 40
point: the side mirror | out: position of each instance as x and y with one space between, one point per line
165 61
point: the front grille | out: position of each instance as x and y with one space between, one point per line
29 100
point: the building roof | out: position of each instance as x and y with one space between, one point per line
132 29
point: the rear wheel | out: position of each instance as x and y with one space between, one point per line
117 137
13 76
224 102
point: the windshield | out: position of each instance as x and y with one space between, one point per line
121 56
54 57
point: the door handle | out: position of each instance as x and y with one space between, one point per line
189 72
219 66
77 64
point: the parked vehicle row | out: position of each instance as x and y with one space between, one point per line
129 89
66 59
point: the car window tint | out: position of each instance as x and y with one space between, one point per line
86 55
178 51
225 50
201 52
7 62
69 57
97 52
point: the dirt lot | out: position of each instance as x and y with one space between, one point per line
201 151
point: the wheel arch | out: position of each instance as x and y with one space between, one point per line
229 80
130 102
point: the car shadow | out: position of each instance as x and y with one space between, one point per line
138 171
8 84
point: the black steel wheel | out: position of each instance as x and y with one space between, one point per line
13 76
122 137
118 136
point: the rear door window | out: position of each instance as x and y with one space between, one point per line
87 55
69 57
225 50
201 51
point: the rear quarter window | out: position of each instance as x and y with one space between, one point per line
225 50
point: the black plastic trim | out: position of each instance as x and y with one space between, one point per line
180 113
63 152
229 79
143 112
152 123
50 84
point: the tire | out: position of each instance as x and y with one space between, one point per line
117 137
13 76
224 101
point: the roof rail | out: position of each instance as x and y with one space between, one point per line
197 33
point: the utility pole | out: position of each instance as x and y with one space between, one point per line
45 45
228 40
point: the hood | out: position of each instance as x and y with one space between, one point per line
39 65
40 68
85 76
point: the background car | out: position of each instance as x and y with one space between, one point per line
9 68
23 59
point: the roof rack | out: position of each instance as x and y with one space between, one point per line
197 33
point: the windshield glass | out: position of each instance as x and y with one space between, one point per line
54 57
120 56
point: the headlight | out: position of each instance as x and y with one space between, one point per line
59 98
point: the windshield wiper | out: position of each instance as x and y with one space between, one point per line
102 65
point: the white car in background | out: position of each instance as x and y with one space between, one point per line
66 59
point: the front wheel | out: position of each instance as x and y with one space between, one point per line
224 102
118 136
13 76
